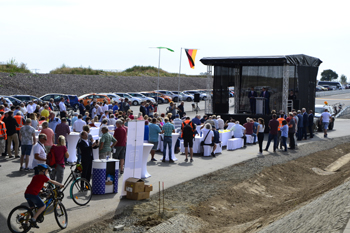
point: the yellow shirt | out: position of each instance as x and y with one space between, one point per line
45 113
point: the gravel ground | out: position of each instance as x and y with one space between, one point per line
186 197
41 84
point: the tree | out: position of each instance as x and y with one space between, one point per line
328 75
343 79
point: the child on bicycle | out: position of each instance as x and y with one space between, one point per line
32 192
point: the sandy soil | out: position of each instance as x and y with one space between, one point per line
241 198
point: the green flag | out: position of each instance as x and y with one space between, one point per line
165 48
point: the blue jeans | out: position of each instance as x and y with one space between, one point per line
167 141
284 142
274 137
254 135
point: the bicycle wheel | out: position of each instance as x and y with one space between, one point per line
80 191
18 219
61 215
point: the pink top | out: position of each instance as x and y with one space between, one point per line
49 134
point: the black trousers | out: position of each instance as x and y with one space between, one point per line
291 142
260 140
311 131
86 162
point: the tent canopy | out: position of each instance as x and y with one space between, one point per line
296 60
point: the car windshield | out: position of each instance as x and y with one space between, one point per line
319 110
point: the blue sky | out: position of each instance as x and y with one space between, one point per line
118 34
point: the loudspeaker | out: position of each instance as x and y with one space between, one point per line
196 97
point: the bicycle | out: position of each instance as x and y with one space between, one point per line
19 218
80 190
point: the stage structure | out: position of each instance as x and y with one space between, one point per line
290 81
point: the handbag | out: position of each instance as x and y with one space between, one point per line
202 142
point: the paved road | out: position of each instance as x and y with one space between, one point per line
13 182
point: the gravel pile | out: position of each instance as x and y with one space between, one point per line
41 84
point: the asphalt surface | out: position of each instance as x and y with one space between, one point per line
13 182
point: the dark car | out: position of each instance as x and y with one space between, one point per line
26 98
14 100
155 96
57 99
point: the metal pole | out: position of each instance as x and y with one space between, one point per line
158 69
178 88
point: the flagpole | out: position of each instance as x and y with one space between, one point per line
178 88
158 68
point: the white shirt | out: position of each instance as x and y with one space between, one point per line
230 125
38 149
112 121
30 108
208 139
238 131
78 125
24 110
62 106
93 113
105 107
34 106
221 123
99 110
325 116
261 128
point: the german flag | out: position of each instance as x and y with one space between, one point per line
191 55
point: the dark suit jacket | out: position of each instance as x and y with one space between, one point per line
85 150
250 95
311 119
267 95
305 119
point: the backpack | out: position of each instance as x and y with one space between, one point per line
187 130
51 159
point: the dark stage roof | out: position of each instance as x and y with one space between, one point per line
296 60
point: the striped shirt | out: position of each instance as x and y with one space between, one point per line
168 129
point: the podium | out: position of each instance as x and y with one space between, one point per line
260 105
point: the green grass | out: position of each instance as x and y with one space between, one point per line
148 71
12 67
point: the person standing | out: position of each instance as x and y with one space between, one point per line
326 118
105 143
81 107
264 93
221 123
284 134
45 112
53 122
62 129
181 109
27 136
11 126
168 129
252 95
62 108
279 139
50 136
172 110
291 131
3 138
120 134
30 108
273 125
20 122
154 131
85 146
300 125
188 129
79 124
61 154
260 130
305 123
143 109
311 124
39 153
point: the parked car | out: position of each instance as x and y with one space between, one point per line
134 100
142 97
26 98
13 100
166 97
319 109
202 95
321 88
174 96
184 96
156 96
93 96
9 103
112 96
71 101
336 85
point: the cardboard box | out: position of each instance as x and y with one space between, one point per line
148 188
134 185
137 196
109 183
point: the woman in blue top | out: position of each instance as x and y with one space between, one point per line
284 134
146 133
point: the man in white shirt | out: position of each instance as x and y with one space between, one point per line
239 132
78 124
39 152
35 103
23 109
30 108
326 117
62 108
177 122
221 123
208 137
99 110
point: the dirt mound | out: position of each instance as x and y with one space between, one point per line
268 195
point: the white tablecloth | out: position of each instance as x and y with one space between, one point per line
146 151
224 137
250 138
94 131
97 124
196 145
174 138
199 130
72 140
37 132
235 143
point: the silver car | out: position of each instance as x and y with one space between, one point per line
187 97
174 96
